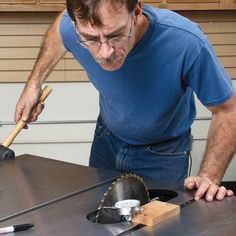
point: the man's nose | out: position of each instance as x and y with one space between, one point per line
105 50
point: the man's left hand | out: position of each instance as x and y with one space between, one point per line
205 187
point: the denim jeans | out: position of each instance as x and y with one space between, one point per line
166 161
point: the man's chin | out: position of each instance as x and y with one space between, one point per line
112 67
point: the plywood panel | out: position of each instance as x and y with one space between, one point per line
193 1
232 72
23 53
27 64
72 64
69 55
24 65
30 6
209 16
192 4
23 29
222 39
218 27
151 1
16 53
16 1
225 50
228 62
22 76
21 41
53 1
188 4
76 76
232 5
26 18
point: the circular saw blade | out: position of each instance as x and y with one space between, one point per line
128 186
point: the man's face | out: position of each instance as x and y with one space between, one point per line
109 44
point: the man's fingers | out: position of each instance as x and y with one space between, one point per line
205 187
28 100
37 111
212 191
202 188
26 114
39 108
221 193
18 112
229 193
190 183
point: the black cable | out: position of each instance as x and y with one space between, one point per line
190 164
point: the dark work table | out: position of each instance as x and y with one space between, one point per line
29 182
57 197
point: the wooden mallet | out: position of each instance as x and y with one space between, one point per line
5 152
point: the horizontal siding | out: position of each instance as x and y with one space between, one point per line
27 64
59 76
21 35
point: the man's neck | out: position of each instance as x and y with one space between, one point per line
141 28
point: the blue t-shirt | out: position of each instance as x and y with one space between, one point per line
150 98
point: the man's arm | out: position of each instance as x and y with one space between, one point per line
51 52
220 149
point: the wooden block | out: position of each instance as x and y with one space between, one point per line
156 212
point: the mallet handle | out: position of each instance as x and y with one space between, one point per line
21 124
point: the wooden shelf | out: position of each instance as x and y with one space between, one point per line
31 7
59 5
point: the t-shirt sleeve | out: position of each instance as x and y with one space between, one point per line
208 78
67 31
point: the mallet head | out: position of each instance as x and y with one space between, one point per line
6 153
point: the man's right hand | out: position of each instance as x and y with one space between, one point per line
28 108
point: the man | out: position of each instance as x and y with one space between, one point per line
146 63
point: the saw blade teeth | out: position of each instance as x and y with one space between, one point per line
138 177
96 217
118 180
128 175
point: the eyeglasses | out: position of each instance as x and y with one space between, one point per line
95 45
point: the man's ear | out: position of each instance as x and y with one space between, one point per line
138 8
138 11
